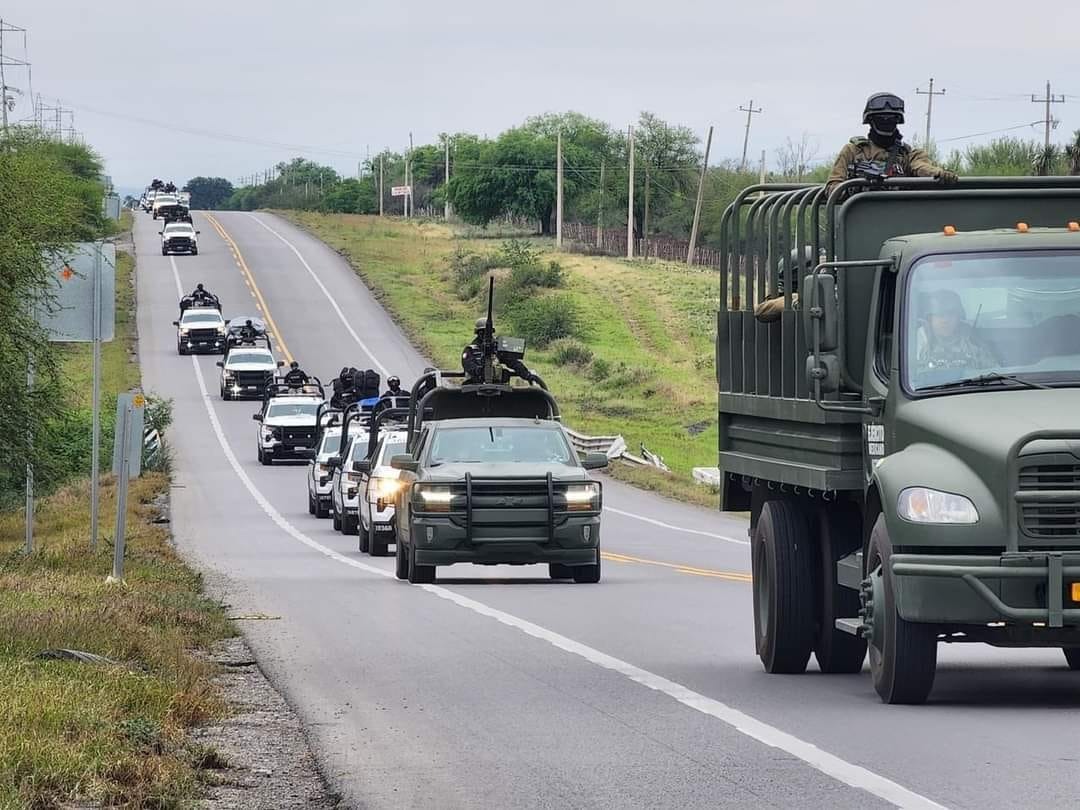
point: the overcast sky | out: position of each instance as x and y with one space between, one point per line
340 77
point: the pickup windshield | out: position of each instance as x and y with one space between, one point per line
279 409
500 444
236 358
1010 318
201 317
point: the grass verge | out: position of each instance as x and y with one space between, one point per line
648 326
107 733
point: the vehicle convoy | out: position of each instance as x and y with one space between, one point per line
345 478
179 237
379 482
200 329
288 422
320 473
905 433
490 477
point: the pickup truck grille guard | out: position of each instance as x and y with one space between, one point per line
509 492
1043 535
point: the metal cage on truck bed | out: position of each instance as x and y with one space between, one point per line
772 427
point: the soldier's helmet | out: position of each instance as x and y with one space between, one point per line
945 302
480 325
883 104
199 287
294 365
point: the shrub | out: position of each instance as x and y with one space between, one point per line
599 369
544 319
570 352
525 276
518 253
469 270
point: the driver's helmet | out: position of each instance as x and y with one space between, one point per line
945 302
480 326
294 365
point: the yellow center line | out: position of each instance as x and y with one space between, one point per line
733 576
249 279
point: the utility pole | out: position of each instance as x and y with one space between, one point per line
761 174
446 194
1048 100
558 191
380 185
630 198
929 106
8 61
408 181
697 205
750 112
645 215
600 210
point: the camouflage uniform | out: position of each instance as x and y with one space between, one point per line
908 161
960 352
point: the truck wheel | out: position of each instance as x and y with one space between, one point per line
337 521
310 504
376 545
164 252
364 542
903 654
401 561
226 395
349 525
839 533
321 512
559 571
587 573
1072 657
783 587
265 458
194 251
419 574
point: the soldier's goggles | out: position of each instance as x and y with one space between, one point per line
885 103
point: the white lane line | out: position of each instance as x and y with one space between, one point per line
674 528
843 771
330 298
382 368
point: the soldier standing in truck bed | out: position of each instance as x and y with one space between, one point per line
882 151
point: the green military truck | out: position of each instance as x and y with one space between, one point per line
905 432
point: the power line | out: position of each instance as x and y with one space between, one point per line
989 132
1048 100
929 105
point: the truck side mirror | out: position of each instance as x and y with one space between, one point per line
281 364
826 371
362 466
257 417
176 323
820 309
219 364
405 462
594 461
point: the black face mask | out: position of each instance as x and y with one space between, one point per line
884 126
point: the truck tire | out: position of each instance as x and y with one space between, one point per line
419 574
588 574
337 521
310 503
321 512
903 654
783 587
350 525
839 534
194 251
266 459
1072 657
401 560
560 571
364 541
377 546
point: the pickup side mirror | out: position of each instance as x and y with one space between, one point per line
281 364
219 364
405 462
197 232
333 462
161 233
257 417
362 466
820 309
594 461
176 323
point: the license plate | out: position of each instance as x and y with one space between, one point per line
383 527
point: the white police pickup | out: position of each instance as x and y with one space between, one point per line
320 474
380 485
287 426
246 371
200 330
179 237
345 484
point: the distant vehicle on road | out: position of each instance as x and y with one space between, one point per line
380 484
345 481
320 473
179 237
200 330
163 201
246 371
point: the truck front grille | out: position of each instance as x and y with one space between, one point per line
1048 497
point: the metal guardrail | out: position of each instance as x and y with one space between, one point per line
614 447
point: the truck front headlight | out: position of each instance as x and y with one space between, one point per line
924 505
382 489
582 497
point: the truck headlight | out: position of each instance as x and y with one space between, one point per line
382 489
582 497
434 498
924 505
184 330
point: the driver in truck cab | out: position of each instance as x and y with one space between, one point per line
946 340
882 151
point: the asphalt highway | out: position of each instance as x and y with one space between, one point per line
496 687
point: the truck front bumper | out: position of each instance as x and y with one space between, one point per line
444 541
1021 587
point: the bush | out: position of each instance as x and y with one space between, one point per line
470 271
544 319
525 276
599 370
569 352
518 253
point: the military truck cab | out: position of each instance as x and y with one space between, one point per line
905 434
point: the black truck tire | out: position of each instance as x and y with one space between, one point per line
401 560
310 504
839 534
588 574
560 571
322 512
419 574
350 525
782 558
364 541
337 521
377 546
1072 657
903 654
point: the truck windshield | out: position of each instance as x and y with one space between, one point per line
279 409
500 444
990 315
